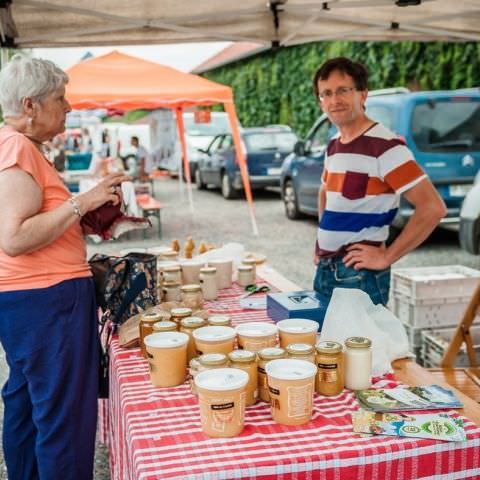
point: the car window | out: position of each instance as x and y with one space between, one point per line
214 127
226 142
319 139
262 141
381 115
214 146
447 125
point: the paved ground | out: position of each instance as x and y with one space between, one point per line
288 245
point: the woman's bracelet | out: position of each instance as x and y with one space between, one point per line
76 208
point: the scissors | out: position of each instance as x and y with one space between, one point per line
253 288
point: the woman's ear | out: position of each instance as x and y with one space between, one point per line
28 106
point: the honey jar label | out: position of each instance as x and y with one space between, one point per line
299 400
274 391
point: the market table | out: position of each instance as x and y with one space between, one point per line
155 433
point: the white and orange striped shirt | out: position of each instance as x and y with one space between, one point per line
363 181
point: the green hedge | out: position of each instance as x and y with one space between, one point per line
276 87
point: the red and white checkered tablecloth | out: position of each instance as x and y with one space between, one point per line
155 433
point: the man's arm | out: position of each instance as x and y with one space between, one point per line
429 210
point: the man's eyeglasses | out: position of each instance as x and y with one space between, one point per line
339 92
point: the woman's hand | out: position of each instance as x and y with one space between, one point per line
108 190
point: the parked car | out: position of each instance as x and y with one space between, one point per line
470 219
198 136
441 128
265 150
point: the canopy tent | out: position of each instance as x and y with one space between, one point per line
61 23
117 80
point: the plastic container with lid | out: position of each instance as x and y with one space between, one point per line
224 268
245 275
165 326
358 363
297 330
167 358
171 292
193 369
254 336
291 385
301 351
172 274
214 340
191 271
220 321
221 396
247 361
208 282
264 356
170 255
145 327
330 374
180 313
192 296
188 325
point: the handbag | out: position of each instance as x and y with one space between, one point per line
124 286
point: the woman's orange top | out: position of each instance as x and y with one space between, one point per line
65 257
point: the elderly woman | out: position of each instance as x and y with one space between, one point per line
48 325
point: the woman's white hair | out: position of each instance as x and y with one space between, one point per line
27 77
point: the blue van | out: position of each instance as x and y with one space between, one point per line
441 128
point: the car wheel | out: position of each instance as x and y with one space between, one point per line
228 191
199 181
290 201
469 235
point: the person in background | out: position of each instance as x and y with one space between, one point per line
48 315
367 168
105 147
143 160
87 144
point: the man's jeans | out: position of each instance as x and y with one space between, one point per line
332 273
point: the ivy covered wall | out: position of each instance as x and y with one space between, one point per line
276 87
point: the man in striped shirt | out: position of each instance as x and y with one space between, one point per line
367 168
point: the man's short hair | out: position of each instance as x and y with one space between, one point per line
134 137
356 70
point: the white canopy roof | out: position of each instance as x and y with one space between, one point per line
61 23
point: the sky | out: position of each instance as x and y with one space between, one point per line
184 56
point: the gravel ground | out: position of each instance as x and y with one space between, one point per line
288 245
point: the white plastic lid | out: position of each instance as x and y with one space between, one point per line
290 369
158 250
297 325
214 333
166 339
256 329
221 379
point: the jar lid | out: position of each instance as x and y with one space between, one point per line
290 369
242 356
222 379
219 320
245 268
297 325
170 285
249 261
256 329
164 326
214 334
208 270
151 317
181 312
191 288
213 359
166 339
172 268
270 353
300 349
358 342
329 347
193 322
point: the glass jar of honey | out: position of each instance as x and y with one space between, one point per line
264 356
330 374
247 361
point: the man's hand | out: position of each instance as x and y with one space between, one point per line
366 256
316 259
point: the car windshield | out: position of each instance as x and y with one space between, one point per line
447 126
263 141
216 126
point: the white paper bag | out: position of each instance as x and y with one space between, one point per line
351 313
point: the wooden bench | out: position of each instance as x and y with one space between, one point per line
150 208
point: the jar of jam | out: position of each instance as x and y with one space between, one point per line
358 363
301 351
146 328
264 356
192 296
188 325
247 361
329 380
180 313
220 320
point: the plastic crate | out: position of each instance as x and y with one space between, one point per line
422 283
78 161
435 343
429 313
